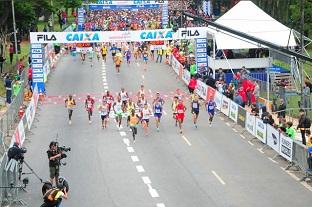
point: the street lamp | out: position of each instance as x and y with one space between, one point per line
14 28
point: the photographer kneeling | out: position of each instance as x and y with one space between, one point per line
53 197
54 156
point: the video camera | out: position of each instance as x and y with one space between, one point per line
17 153
60 149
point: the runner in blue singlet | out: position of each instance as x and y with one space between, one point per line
211 106
157 113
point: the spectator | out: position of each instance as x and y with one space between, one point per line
254 110
304 125
220 75
8 87
257 92
193 70
16 88
11 51
238 99
281 122
2 60
271 120
211 82
306 96
290 131
282 109
248 94
159 55
210 72
309 139
192 84
219 85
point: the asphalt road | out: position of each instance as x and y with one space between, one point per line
206 167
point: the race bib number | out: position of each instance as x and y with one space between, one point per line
157 111
195 105
180 111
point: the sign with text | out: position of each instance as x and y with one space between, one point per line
241 119
273 138
261 130
201 52
234 111
286 147
225 107
218 99
37 56
251 123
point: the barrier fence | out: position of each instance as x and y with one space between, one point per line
294 152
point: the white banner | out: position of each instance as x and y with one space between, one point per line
129 2
273 138
201 89
31 109
186 76
84 49
286 147
250 123
234 111
225 107
19 134
218 100
175 65
261 130
118 36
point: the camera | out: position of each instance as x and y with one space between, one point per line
59 150
17 153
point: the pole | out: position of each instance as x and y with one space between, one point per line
302 48
52 17
14 27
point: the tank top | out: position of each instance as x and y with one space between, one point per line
180 109
70 103
108 99
133 120
89 103
104 110
195 105
145 113
158 109
118 107
141 92
123 96
211 106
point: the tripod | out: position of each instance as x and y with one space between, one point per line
31 171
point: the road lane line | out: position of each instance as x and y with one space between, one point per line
146 180
260 150
218 177
105 84
106 87
222 118
140 168
149 90
186 140
153 192
135 158
228 124
143 77
130 149
123 134
242 136
126 141
160 205
272 160
234 130
252 144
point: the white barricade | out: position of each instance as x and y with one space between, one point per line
218 100
175 65
261 130
234 111
273 138
225 106
250 123
286 147
186 76
201 89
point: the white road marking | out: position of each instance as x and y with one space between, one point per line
165 113
222 118
105 84
186 140
242 136
234 130
218 177
123 134
260 150
140 168
149 90
135 158
146 180
143 77
130 149
160 205
272 160
106 87
153 193
79 98
305 184
227 123
126 141
252 144
138 64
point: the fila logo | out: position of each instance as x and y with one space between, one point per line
46 37
189 33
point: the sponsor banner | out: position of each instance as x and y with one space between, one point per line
261 130
273 138
86 49
81 19
286 147
225 107
186 76
129 2
123 7
46 71
251 123
19 134
218 99
31 109
120 36
233 111
201 51
165 15
201 89
211 93
195 32
175 65
37 65
241 119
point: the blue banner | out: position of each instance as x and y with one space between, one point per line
119 7
81 19
201 53
37 63
165 14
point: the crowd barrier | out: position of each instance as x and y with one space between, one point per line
294 152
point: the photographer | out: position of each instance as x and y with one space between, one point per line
54 156
53 197
17 153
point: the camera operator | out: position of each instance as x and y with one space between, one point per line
16 152
54 156
53 197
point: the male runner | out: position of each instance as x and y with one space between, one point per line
133 121
117 107
195 105
124 98
70 103
98 52
90 55
130 106
104 52
145 57
157 108
141 91
159 99
83 56
104 112
89 104
118 62
145 114
141 102
109 100
128 56
180 109
211 106
174 104
113 51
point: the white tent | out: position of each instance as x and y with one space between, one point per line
246 17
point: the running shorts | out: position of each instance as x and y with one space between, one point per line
104 116
157 115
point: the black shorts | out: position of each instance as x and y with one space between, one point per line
103 55
103 117
195 111
54 172
117 66
124 102
113 54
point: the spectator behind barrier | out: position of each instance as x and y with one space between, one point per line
304 125
290 131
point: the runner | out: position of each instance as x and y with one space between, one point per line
179 94
136 52
174 109
180 109
130 106
113 51
104 112
124 98
152 52
109 99
145 57
90 55
133 121
89 104
158 99
195 105
104 52
157 108
145 114
98 52
83 56
117 107
141 91
141 102
70 103
211 106
118 62
128 56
